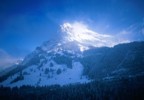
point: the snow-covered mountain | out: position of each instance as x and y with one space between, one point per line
64 63
49 64
81 56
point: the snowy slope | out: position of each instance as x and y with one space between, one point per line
39 77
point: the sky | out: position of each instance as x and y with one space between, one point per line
26 24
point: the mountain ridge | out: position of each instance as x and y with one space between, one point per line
122 60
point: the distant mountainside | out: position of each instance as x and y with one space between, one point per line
123 60
64 63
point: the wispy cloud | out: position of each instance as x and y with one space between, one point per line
6 60
83 35
134 32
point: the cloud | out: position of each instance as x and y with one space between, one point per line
124 32
6 60
142 31
83 35
134 32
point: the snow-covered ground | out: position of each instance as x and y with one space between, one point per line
35 76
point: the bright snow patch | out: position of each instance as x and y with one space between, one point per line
38 77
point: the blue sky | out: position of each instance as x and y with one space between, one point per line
25 24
